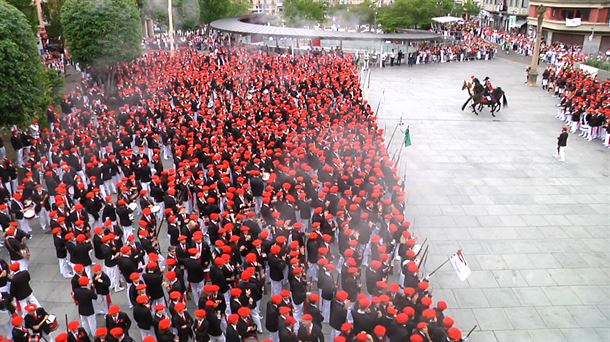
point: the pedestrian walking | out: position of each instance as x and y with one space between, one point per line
562 143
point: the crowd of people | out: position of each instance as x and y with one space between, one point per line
584 101
235 194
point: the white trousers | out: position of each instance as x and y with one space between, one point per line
64 268
89 324
561 153
28 300
276 287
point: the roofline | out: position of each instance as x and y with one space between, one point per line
237 25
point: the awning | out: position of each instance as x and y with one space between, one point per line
446 19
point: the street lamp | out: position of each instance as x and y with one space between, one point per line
171 28
532 75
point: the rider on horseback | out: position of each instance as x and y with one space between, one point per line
487 89
477 86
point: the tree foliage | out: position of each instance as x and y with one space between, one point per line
413 13
29 10
299 12
471 8
101 33
216 9
22 88
52 15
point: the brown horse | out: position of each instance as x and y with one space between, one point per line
498 99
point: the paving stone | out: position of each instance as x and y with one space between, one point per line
517 261
591 294
587 335
538 277
561 295
470 298
491 262
589 317
492 319
547 335
509 278
502 298
513 335
603 333
567 277
525 318
482 279
482 336
557 316
531 296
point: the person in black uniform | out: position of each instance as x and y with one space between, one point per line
308 331
117 319
200 326
76 333
101 286
562 143
85 297
165 333
286 330
143 316
182 322
231 334
19 333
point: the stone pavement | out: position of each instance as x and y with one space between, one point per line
534 231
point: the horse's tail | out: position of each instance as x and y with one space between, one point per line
504 100
466 103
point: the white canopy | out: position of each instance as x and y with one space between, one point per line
446 19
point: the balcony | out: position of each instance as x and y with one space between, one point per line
560 25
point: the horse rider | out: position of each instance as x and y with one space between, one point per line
488 88
477 87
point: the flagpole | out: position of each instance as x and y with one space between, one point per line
438 268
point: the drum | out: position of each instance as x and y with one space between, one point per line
29 213
52 322
155 209
132 206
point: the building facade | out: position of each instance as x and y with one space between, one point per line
505 14
576 22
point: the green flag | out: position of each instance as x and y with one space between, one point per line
407 137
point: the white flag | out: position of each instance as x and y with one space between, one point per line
460 266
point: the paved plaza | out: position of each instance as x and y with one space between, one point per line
534 231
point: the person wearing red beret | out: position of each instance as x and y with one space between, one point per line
85 298
182 322
20 286
313 310
117 319
308 331
287 331
76 333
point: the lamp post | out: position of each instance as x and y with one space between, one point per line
532 75
171 28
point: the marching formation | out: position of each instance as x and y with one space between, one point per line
234 195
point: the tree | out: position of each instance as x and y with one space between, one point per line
304 12
216 9
471 8
52 15
29 10
22 85
407 14
101 33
